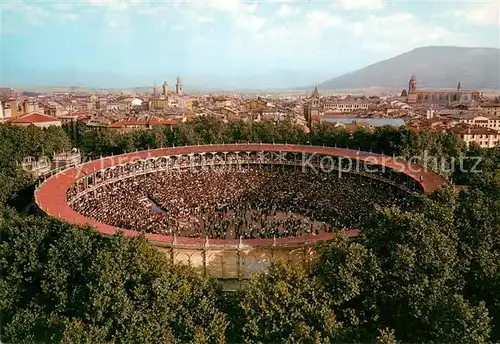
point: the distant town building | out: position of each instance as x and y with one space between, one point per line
484 137
131 124
254 104
101 103
178 87
113 107
271 114
318 105
165 89
14 109
345 105
492 109
443 96
136 102
72 116
159 104
315 102
7 92
479 121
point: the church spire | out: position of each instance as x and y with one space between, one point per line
315 92
459 87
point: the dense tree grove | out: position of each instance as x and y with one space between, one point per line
16 143
64 285
420 275
388 140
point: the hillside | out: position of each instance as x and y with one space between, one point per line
193 82
439 67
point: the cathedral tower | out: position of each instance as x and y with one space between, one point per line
315 102
412 85
412 90
165 89
178 87
315 92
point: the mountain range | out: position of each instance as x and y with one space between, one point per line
434 67
76 78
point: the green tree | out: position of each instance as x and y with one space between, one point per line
17 143
285 305
478 221
419 254
350 273
386 336
58 282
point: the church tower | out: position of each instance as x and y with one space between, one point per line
315 101
178 87
165 89
412 84
315 97
315 93
412 90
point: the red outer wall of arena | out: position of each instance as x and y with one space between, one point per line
51 195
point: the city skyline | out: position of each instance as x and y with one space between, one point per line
229 38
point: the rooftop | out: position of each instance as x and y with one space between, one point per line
34 117
475 130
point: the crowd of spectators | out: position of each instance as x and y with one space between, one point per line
249 202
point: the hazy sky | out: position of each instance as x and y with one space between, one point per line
231 37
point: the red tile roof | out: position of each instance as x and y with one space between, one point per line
134 122
116 125
78 114
162 121
33 117
152 121
125 123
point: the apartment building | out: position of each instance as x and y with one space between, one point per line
492 122
37 119
482 136
345 105
493 109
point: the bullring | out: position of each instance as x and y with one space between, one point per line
229 258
